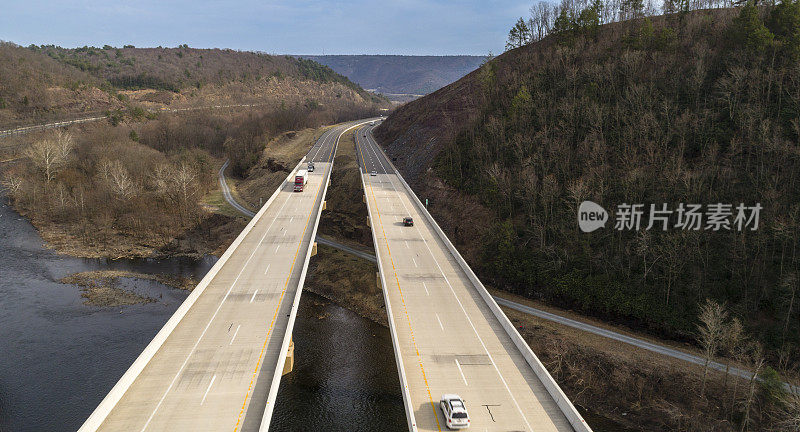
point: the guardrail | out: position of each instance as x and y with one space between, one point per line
108 403
564 404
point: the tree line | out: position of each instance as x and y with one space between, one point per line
548 18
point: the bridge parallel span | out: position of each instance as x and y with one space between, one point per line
450 336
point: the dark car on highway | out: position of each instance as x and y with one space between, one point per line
407 221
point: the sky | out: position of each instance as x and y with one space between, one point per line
406 27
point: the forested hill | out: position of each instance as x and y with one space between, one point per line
42 82
391 74
694 107
178 68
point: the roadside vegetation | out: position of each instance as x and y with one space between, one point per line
136 184
693 107
137 188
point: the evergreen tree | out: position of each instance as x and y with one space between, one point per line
519 35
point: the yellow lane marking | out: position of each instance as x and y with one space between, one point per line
275 315
402 299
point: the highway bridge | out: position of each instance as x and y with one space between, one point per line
449 334
217 363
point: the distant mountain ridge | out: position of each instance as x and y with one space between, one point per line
395 74
47 83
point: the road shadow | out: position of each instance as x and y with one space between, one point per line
425 416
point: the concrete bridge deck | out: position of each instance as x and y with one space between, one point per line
449 335
216 364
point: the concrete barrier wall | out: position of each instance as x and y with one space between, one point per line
108 403
278 373
410 417
572 414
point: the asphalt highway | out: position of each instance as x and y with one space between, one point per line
449 339
215 369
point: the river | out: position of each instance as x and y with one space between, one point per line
59 358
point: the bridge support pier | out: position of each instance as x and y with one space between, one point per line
378 278
368 223
314 249
324 205
288 366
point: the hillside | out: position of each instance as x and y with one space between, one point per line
699 107
142 183
389 74
40 83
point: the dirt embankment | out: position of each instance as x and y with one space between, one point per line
348 281
104 287
280 157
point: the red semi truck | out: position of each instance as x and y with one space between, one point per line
300 180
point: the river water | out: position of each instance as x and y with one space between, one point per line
59 358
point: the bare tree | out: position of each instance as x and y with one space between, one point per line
757 362
51 154
120 181
710 332
64 143
673 252
178 184
63 195
104 168
12 184
46 157
185 177
541 20
732 338
789 283
789 414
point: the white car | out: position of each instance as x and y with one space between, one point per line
373 173
455 413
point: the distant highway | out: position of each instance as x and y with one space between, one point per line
216 364
64 123
39 127
449 336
